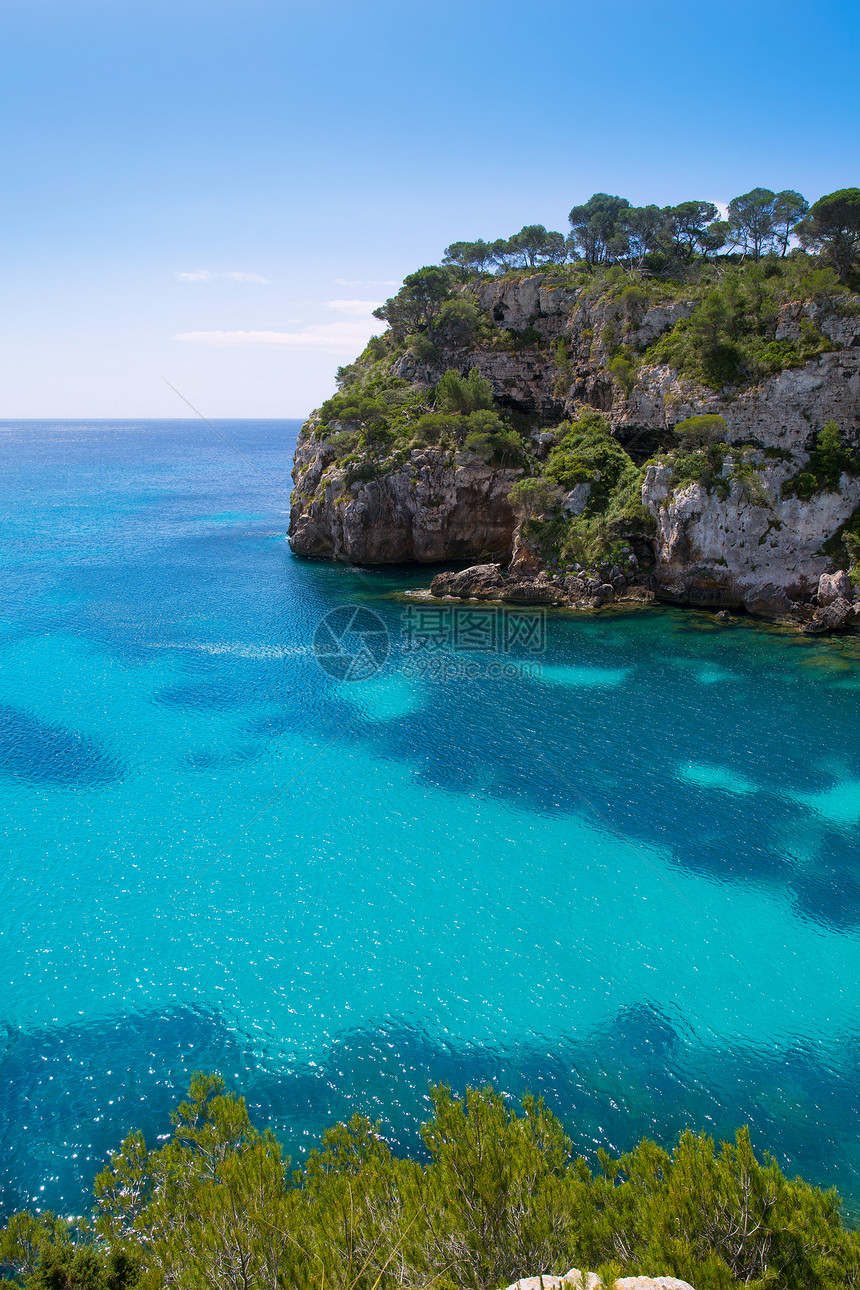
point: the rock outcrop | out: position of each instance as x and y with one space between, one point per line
576 1280
488 582
833 586
759 553
434 507
733 546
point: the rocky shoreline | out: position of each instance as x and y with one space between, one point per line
835 607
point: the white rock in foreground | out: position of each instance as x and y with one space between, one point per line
590 1281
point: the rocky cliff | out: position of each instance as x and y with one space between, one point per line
433 506
746 534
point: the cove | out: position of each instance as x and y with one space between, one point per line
626 877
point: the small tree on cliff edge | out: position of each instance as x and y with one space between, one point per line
594 225
833 226
418 302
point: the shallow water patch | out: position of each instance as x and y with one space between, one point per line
719 777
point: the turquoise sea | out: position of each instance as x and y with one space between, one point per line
618 866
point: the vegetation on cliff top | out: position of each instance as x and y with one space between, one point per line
501 1195
373 425
731 335
608 230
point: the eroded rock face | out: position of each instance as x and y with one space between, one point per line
761 552
434 507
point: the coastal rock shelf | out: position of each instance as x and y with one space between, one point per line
488 582
832 609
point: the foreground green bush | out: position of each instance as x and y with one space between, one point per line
502 1196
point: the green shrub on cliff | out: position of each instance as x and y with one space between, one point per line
501 1196
371 426
587 452
702 465
532 497
730 337
497 446
830 458
622 368
699 430
456 393
828 461
610 508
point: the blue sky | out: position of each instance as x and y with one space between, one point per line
201 168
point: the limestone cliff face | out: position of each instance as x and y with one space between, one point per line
436 506
728 547
735 551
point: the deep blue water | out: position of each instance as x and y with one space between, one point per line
621 870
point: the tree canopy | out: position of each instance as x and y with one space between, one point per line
833 226
594 226
531 247
761 221
418 302
608 230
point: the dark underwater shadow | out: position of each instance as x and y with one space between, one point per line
51 755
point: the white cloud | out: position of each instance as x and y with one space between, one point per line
247 277
325 338
371 282
723 208
209 275
355 308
